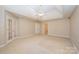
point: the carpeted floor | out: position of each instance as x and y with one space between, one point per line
39 44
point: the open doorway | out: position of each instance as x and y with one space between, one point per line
46 29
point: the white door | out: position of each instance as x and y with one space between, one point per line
10 28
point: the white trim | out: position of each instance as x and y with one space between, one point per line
59 36
2 45
25 36
75 45
16 38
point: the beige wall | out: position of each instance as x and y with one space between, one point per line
75 27
58 28
2 26
26 27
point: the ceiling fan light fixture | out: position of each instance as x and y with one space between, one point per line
40 14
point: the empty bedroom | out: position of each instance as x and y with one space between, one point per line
39 29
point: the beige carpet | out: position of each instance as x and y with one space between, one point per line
40 44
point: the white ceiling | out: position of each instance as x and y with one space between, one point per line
49 12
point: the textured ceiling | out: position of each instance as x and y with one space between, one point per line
48 12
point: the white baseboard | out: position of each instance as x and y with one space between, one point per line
2 45
63 36
19 37
25 36
75 45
